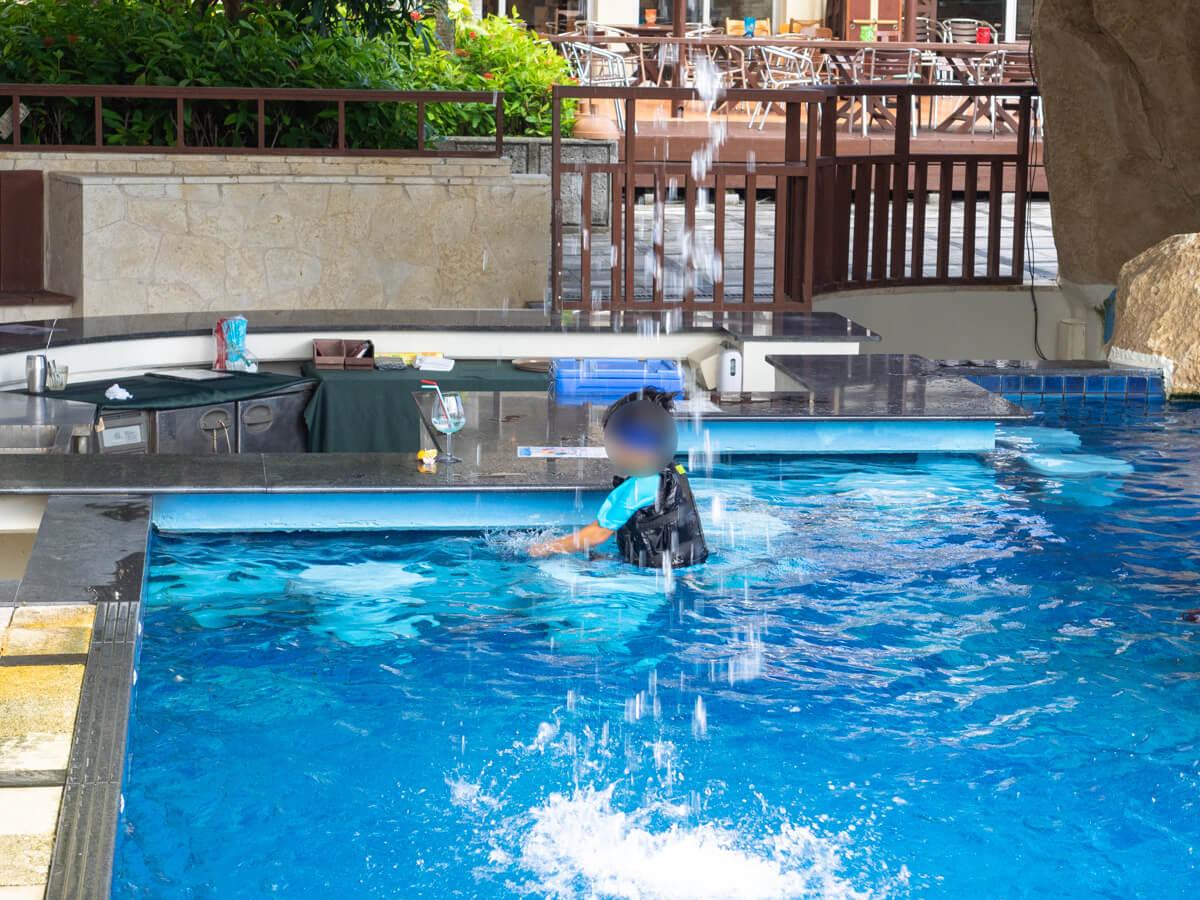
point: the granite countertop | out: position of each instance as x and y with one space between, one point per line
883 386
839 388
820 326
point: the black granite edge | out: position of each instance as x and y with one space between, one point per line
887 387
75 331
81 546
797 326
1047 367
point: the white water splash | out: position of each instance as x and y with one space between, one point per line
578 845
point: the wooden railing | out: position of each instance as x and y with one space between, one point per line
840 221
256 114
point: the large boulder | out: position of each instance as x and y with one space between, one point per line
1158 312
1121 83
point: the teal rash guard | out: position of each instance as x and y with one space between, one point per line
626 499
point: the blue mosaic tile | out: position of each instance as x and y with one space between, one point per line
1073 384
991 382
974 379
1156 384
1011 384
1095 384
1013 398
1031 384
1136 384
1052 384
1116 384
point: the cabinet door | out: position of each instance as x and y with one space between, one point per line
196 429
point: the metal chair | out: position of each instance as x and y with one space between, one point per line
783 68
596 67
989 70
873 65
966 31
1018 69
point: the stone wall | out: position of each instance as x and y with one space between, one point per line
534 156
462 233
1158 313
1120 83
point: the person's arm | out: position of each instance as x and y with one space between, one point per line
585 538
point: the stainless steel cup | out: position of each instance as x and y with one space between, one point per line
35 374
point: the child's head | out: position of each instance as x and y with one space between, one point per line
639 432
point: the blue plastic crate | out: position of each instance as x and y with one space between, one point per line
606 380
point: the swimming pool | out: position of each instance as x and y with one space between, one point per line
928 677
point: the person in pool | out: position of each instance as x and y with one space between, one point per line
651 509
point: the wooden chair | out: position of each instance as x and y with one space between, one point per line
737 28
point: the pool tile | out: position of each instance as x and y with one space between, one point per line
1136 384
1073 384
1052 384
974 379
1031 384
39 699
1011 384
35 751
23 891
1094 384
991 382
25 858
54 616
1156 384
32 641
1116 384
29 810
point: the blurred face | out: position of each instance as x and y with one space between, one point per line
640 438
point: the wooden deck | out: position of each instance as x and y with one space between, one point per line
662 137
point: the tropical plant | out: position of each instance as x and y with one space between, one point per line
497 54
163 43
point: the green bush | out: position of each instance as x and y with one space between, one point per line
136 42
497 54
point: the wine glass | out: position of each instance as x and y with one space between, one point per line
449 416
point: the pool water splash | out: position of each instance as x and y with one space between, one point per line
580 845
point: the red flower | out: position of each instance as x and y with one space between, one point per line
460 52
48 41
473 35
488 75
72 38
415 16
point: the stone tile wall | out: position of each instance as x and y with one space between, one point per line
130 233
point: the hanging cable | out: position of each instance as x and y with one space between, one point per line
1031 247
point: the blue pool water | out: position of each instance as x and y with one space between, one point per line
944 677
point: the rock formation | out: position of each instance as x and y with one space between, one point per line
1121 88
1158 312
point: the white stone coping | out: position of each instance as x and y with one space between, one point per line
90 180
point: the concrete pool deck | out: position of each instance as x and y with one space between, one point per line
43 651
